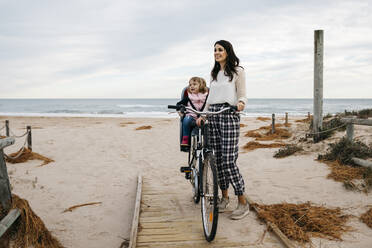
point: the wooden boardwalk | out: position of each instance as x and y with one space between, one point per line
170 219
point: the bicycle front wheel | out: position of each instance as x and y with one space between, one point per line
209 207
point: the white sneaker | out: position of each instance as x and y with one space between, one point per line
240 212
222 204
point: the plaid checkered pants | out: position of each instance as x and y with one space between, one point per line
223 139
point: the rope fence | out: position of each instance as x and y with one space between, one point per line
27 141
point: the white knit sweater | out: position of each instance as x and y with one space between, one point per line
223 90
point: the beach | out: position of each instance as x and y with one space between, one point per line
99 159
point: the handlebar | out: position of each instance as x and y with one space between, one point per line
183 108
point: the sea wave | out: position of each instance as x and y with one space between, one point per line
141 106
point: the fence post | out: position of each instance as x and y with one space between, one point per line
273 124
286 118
350 131
318 83
5 194
29 138
7 128
308 116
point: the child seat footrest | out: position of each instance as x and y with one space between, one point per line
185 169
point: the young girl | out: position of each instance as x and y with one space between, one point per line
197 93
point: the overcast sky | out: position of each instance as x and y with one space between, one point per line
150 49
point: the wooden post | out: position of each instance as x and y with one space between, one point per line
318 83
350 131
5 194
286 118
7 128
29 138
308 116
273 124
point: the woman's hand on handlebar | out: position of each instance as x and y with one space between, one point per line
240 106
199 121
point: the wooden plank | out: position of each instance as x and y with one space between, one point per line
362 162
198 244
365 122
169 224
171 237
6 142
133 233
8 220
276 230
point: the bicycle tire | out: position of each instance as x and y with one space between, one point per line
209 205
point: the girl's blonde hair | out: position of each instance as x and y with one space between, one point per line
202 84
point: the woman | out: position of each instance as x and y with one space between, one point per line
227 87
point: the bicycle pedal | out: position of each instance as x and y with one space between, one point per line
185 169
188 175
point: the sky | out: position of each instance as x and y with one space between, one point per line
150 49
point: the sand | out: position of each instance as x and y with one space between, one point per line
98 160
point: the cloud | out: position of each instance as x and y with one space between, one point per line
151 48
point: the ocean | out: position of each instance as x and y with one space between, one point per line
158 107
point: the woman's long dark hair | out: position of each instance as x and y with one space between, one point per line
231 61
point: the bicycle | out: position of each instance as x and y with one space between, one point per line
203 177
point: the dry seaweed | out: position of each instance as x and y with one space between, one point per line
287 151
306 120
27 154
253 134
344 173
367 218
29 230
263 118
242 125
252 145
143 127
70 209
301 221
279 133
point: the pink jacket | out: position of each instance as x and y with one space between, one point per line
198 101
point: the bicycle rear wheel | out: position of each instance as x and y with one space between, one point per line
209 207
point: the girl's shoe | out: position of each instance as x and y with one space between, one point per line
185 141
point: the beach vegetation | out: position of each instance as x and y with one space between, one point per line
363 113
288 150
344 150
343 169
333 125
